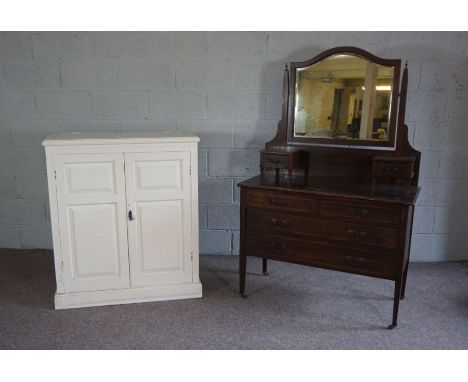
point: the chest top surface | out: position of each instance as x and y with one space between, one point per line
118 137
339 188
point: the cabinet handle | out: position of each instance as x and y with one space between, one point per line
355 262
279 203
357 235
130 215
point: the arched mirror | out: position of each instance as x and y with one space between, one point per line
346 96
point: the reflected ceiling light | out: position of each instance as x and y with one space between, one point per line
381 88
328 78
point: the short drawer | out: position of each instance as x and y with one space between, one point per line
280 202
359 213
309 253
393 170
275 160
322 229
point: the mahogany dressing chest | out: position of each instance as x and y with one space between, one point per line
339 181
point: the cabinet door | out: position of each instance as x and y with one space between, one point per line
158 195
92 218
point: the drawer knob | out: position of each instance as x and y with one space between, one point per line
277 202
278 247
391 169
357 235
360 212
355 262
278 223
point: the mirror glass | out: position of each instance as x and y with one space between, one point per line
343 96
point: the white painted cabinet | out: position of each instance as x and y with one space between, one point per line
124 213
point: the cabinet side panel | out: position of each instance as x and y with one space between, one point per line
194 205
54 220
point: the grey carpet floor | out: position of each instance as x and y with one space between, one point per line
295 307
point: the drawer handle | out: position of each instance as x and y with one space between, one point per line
361 212
391 169
279 203
357 235
355 262
278 223
275 161
278 247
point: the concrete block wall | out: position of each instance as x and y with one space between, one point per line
225 87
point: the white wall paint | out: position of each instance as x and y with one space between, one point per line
225 87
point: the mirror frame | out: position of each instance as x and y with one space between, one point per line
395 95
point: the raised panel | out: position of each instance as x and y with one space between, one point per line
158 175
94 244
92 217
160 235
159 196
89 177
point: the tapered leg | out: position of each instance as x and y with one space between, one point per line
396 302
265 267
403 288
242 271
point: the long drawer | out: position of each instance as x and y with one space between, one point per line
349 232
304 252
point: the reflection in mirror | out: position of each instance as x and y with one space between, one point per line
344 96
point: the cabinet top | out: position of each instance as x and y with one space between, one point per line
118 137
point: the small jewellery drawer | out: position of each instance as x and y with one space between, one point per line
275 160
279 201
321 229
402 167
359 213
302 251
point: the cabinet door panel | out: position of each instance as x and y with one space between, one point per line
158 194
92 216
